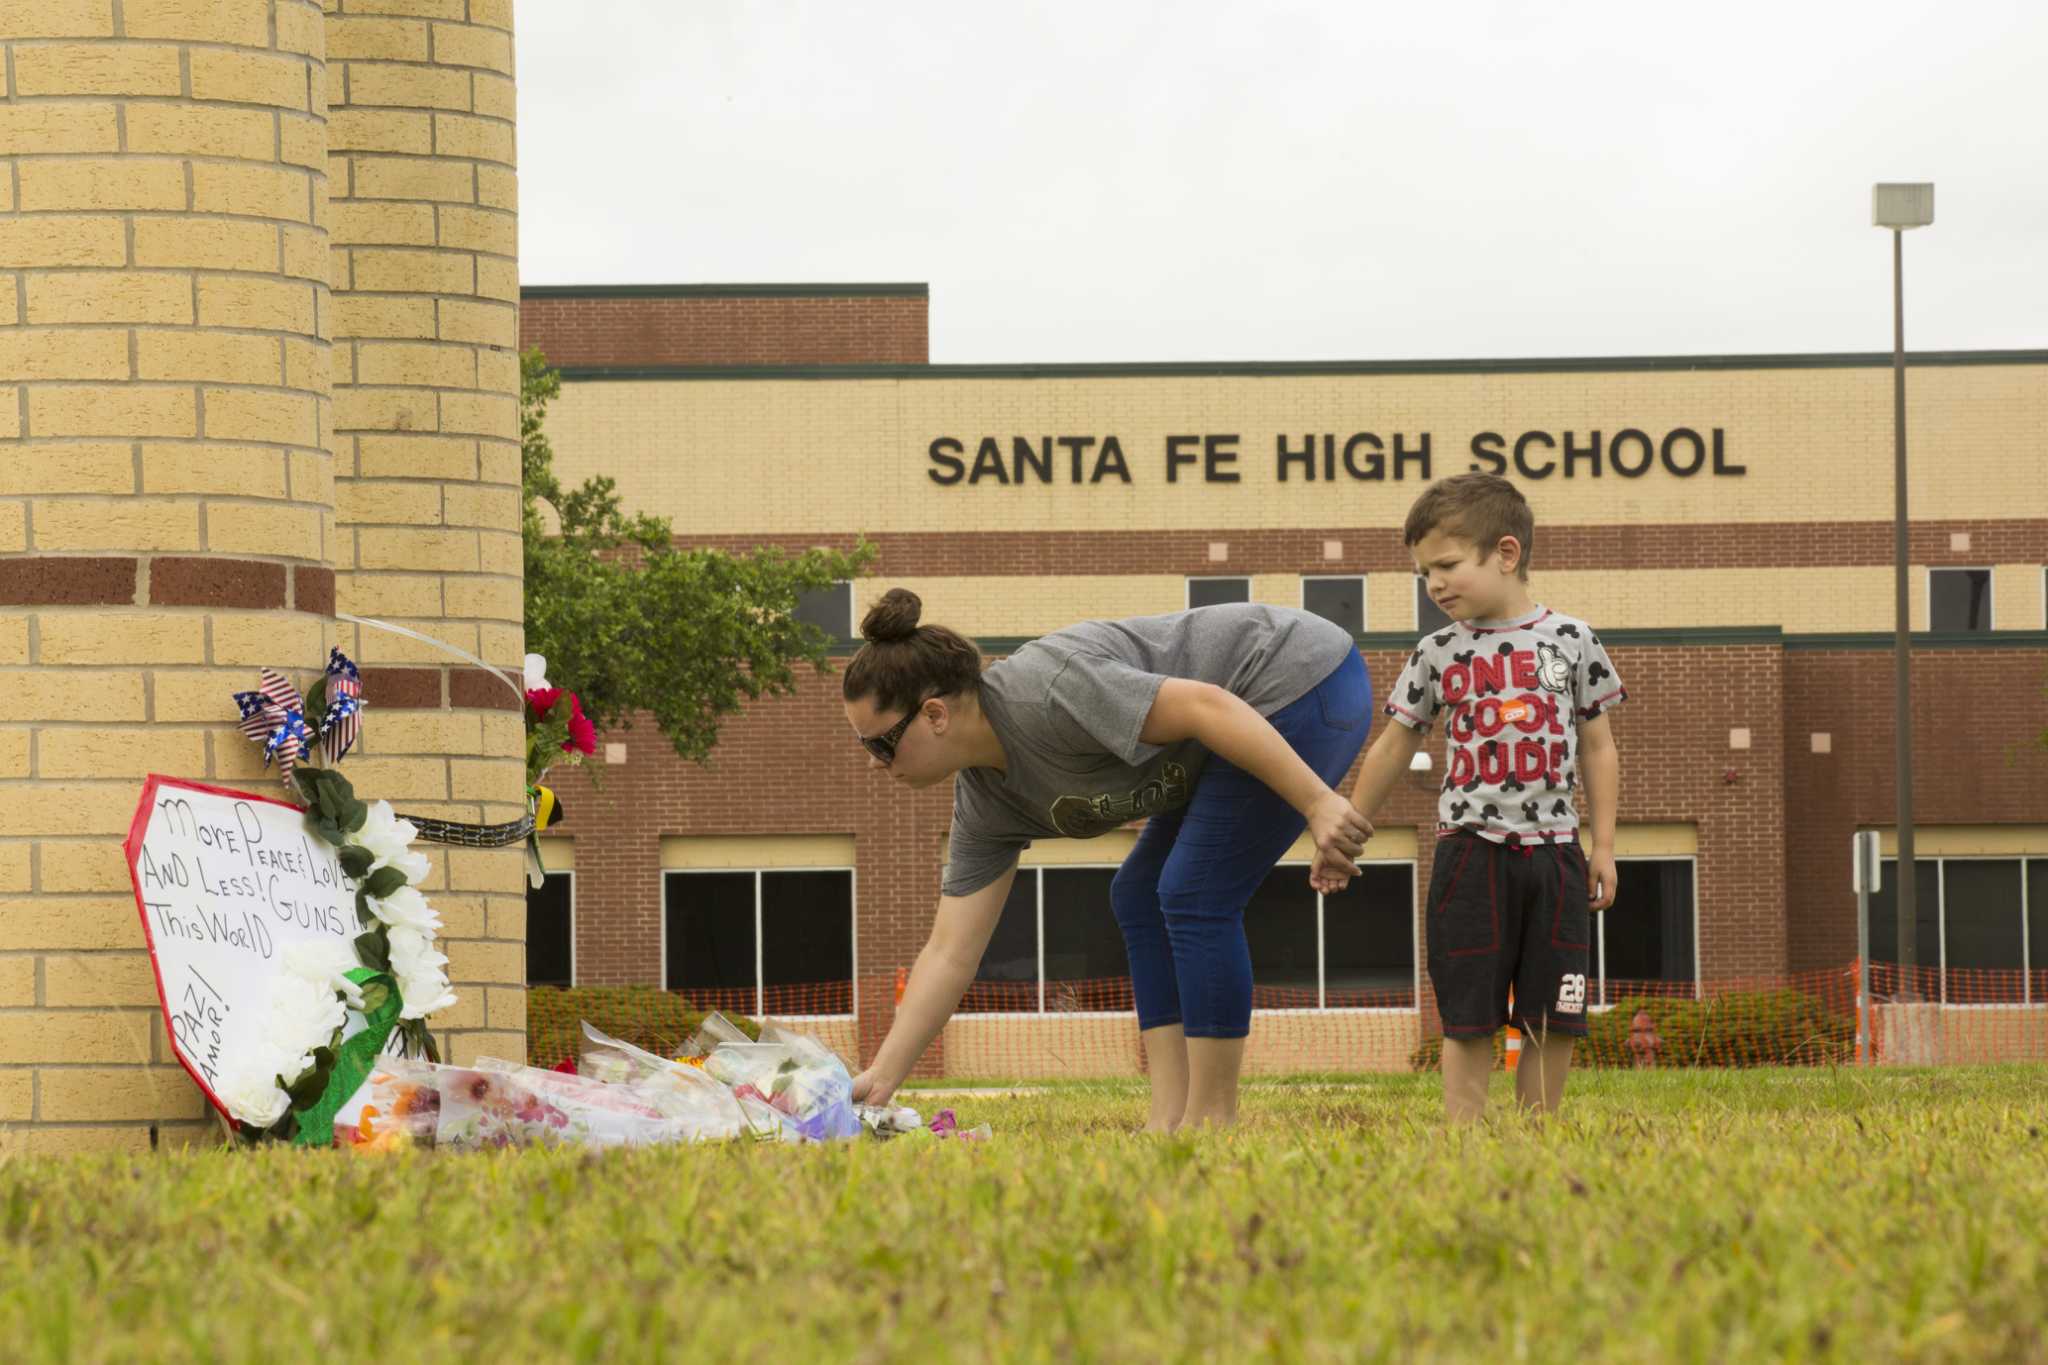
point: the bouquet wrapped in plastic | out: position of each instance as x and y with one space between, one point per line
700 1106
501 1104
785 1086
788 1083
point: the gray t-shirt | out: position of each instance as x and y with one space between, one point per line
1068 708
1513 697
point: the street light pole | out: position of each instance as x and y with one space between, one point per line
1902 671
1899 207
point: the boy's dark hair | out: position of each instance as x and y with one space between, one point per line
903 663
1480 508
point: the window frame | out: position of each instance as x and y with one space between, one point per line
1364 601
2027 949
760 989
570 873
1600 928
1188 592
845 586
1322 951
1990 572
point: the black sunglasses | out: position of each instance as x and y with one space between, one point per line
883 746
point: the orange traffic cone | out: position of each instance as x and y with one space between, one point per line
1514 1047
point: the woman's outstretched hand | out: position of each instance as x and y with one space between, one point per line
870 1089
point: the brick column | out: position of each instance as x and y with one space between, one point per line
426 379
165 493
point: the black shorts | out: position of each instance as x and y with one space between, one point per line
1502 917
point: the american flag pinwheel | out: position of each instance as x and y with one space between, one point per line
342 722
275 716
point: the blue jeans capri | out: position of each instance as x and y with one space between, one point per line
1180 896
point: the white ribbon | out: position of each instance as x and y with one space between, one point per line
441 645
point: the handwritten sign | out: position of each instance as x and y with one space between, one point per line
225 881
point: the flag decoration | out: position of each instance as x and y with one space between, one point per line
275 716
342 723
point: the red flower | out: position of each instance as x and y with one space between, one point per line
582 734
541 700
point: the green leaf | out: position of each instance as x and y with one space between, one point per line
374 948
306 1090
354 815
364 916
383 882
328 831
304 778
344 790
316 701
355 861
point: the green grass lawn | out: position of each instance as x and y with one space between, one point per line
1710 1216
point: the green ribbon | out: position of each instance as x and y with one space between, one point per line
353 1062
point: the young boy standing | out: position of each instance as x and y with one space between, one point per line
1523 693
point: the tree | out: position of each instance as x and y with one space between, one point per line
631 623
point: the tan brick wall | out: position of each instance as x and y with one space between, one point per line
825 459
166 373
425 275
839 453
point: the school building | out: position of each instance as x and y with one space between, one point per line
1725 522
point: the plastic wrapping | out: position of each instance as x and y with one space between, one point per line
786 1086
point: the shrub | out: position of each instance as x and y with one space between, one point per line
656 1020
1740 1028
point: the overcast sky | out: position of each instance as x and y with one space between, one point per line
1200 181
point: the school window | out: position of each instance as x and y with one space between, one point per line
777 941
1428 616
551 931
1057 931
1646 938
1214 592
1958 599
1340 601
1982 923
829 609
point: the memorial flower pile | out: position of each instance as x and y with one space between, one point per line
786 1087
337 1003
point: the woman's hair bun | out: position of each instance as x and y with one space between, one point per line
893 618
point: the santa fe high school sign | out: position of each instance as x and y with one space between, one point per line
1309 457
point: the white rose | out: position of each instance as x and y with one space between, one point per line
536 671
389 840
253 1097
422 984
413 953
407 908
326 963
425 995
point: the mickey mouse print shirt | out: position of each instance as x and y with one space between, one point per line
1512 695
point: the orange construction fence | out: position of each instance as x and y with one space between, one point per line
1075 1029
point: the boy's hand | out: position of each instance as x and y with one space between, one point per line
1601 879
1327 877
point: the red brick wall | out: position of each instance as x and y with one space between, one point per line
696 329
1690 545
790 767
1975 714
